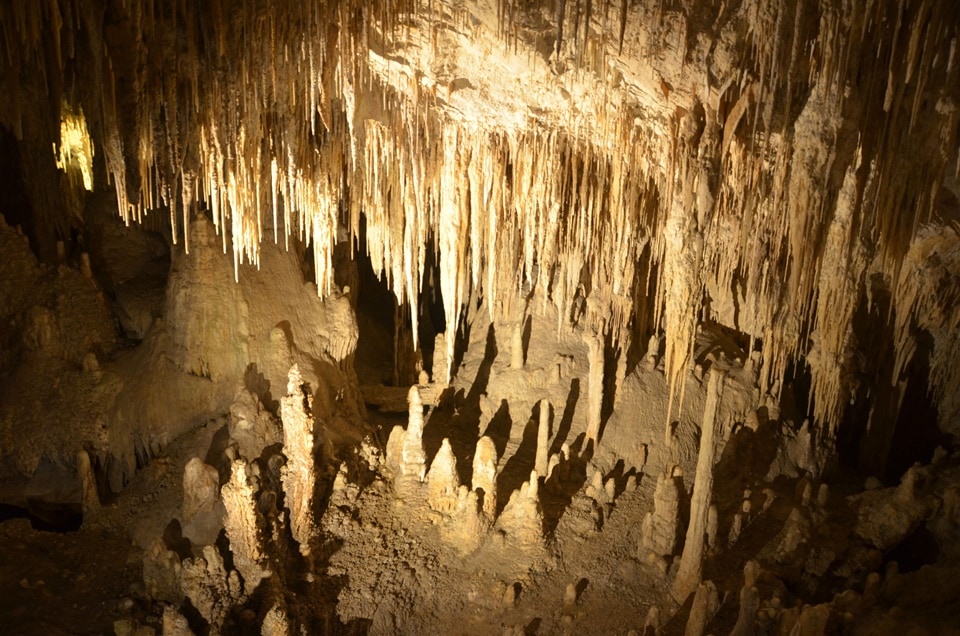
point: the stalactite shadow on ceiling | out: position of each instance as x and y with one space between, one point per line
806 167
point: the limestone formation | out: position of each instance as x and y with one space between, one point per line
705 606
89 495
297 475
210 193
161 573
485 475
543 440
659 529
251 427
522 520
594 344
201 489
275 623
174 623
242 523
443 483
210 588
688 576
413 461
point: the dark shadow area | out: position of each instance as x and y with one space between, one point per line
499 428
216 456
45 517
532 627
259 386
566 420
565 482
611 357
917 550
525 337
376 322
464 425
581 587
518 467
14 199
916 433
174 540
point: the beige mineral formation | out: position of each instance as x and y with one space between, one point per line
297 474
485 476
243 525
89 495
212 590
705 606
659 528
442 481
251 426
688 576
413 460
543 439
201 488
522 518
594 206
174 623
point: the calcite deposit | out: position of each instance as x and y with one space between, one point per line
430 317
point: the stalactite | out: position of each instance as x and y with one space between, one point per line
288 117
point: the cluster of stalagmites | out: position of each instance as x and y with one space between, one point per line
246 508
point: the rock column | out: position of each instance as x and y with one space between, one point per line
688 576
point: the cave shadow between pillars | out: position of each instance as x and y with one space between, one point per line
567 479
459 419
518 467
566 420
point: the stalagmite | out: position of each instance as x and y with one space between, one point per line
201 489
516 345
89 497
543 439
211 589
297 475
594 386
275 623
242 523
705 605
747 616
443 484
688 576
413 461
659 529
522 520
174 623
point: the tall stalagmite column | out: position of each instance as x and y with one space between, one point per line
413 460
594 385
688 576
543 439
297 475
242 525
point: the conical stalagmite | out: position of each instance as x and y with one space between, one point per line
443 484
659 529
522 520
413 461
485 475
89 497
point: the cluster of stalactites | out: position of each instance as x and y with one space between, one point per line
274 117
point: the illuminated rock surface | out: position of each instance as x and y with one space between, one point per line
522 317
